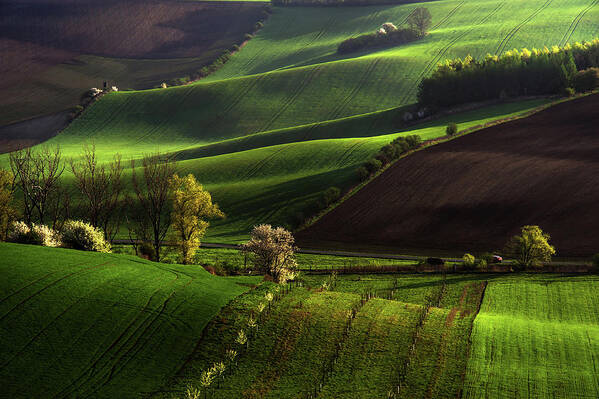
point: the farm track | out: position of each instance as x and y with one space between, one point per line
24 301
505 41
345 102
574 25
78 382
291 99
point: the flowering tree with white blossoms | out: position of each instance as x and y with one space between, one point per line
273 252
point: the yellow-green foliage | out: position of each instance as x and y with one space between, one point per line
192 205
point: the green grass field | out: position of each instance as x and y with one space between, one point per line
76 324
536 337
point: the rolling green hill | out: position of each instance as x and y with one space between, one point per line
287 117
77 324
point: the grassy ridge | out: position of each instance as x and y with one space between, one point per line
536 337
84 324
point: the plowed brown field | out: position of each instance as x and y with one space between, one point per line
474 192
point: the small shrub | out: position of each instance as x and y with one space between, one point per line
586 80
234 48
451 129
373 165
469 261
481 264
259 25
83 236
363 173
146 251
389 27
248 36
37 235
330 195
568 92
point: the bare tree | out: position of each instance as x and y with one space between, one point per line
37 175
152 192
101 187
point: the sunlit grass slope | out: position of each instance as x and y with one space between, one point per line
536 338
77 324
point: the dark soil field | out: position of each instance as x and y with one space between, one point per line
474 192
52 50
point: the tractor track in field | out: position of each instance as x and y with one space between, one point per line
260 164
574 25
24 301
505 41
165 119
363 79
443 50
291 99
448 16
347 153
42 331
25 287
79 381
135 348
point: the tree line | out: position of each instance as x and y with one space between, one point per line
37 205
389 35
559 70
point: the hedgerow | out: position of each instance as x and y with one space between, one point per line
515 73
387 154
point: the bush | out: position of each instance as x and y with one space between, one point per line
469 261
586 80
330 195
146 250
83 236
380 38
451 129
568 92
259 25
248 36
481 264
362 173
373 165
37 235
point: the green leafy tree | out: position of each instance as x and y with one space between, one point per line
420 20
531 247
192 205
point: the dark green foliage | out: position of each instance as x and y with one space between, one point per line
378 39
388 154
362 173
330 195
568 92
420 20
451 129
373 165
586 80
536 72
